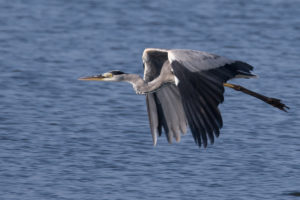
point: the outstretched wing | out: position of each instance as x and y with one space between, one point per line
201 76
165 109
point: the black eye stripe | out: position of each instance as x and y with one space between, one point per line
117 72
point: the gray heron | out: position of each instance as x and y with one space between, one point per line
184 88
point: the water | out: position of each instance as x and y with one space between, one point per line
61 138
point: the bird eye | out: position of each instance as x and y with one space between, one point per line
107 75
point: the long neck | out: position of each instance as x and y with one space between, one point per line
142 87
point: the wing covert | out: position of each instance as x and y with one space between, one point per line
197 60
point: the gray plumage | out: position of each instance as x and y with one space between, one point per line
184 88
195 99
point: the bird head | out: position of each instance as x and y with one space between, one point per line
112 76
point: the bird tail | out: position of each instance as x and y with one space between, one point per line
272 101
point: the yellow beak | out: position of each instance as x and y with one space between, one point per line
93 78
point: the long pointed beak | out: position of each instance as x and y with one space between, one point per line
92 78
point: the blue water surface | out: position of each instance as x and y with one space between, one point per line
61 138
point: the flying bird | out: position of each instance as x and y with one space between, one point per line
184 88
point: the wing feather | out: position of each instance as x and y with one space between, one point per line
153 117
195 98
165 109
195 60
202 89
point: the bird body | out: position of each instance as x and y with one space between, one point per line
184 88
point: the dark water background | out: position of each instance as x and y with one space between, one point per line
61 138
